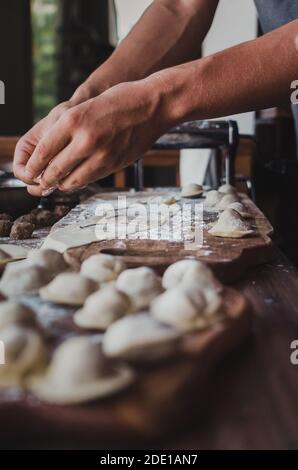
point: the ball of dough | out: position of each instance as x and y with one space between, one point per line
5 228
231 225
241 209
212 198
24 353
102 308
14 313
140 284
22 230
79 372
227 189
19 278
50 260
69 289
192 190
226 201
187 271
102 268
139 337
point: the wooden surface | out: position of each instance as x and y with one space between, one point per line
228 258
157 404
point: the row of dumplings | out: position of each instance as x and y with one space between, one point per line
234 218
144 318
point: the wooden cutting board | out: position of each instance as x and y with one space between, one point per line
164 398
228 258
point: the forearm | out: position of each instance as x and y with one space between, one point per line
169 33
254 75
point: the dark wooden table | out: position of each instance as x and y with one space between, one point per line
254 404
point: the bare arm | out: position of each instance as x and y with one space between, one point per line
169 33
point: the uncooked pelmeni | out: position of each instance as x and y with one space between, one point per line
231 225
140 337
241 209
186 271
213 198
69 289
227 189
51 260
14 313
102 268
226 201
24 354
140 284
192 191
78 372
20 278
102 308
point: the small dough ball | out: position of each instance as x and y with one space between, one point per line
5 228
13 312
19 278
51 260
139 337
22 230
231 225
103 308
140 284
227 189
79 372
69 289
187 271
226 201
102 268
5 216
44 218
241 209
192 190
61 211
213 198
4 256
24 353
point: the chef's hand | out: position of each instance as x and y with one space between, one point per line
93 139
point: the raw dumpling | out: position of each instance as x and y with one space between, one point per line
139 337
231 225
192 190
78 373
20 278
24 354
186 308
4 256
188 271
102 268
226 201
241 209
227 189
102 308
213 198
69 289
140 284
51 260
13 313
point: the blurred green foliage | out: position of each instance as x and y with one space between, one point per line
44 20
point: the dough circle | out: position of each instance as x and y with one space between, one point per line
78 372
